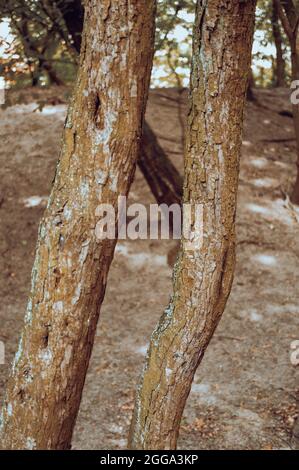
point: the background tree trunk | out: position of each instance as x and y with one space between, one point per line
280 62
97 164
250 93
202 278
289 17
73 15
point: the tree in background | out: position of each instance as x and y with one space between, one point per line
41 40
288 12
202 278
97 164
173 41
280 65
273 47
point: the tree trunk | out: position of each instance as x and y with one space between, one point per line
202 278
295 76
280 62
97 164
289 17
53 77
295 435
157 169
250 94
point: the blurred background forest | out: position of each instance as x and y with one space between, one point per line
40 40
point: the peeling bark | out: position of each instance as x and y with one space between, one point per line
202 278
97 164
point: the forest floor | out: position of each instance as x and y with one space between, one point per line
245 392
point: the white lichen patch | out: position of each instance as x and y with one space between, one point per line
28 314
18 355
65 363
101 176
58 306
9 409
46 356
103 136
113 182
30 443
84 252
77 294
134 90
67 212
84 189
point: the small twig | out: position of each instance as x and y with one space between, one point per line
233 338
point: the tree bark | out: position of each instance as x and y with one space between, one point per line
280 62
295 76
202 278
157 169
97 164
295 435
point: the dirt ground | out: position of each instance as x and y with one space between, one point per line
245 392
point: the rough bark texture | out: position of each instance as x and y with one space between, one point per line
289 17
202 278
161 175
99 154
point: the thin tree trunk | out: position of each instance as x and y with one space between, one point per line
280 62
295 435
97 164
73 15
289 17
202 278
295 76
52 75
250 94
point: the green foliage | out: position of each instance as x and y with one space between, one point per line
40 51
173 42
264 52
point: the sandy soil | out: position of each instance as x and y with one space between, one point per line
245 392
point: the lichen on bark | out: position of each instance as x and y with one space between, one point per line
202 278
97 164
